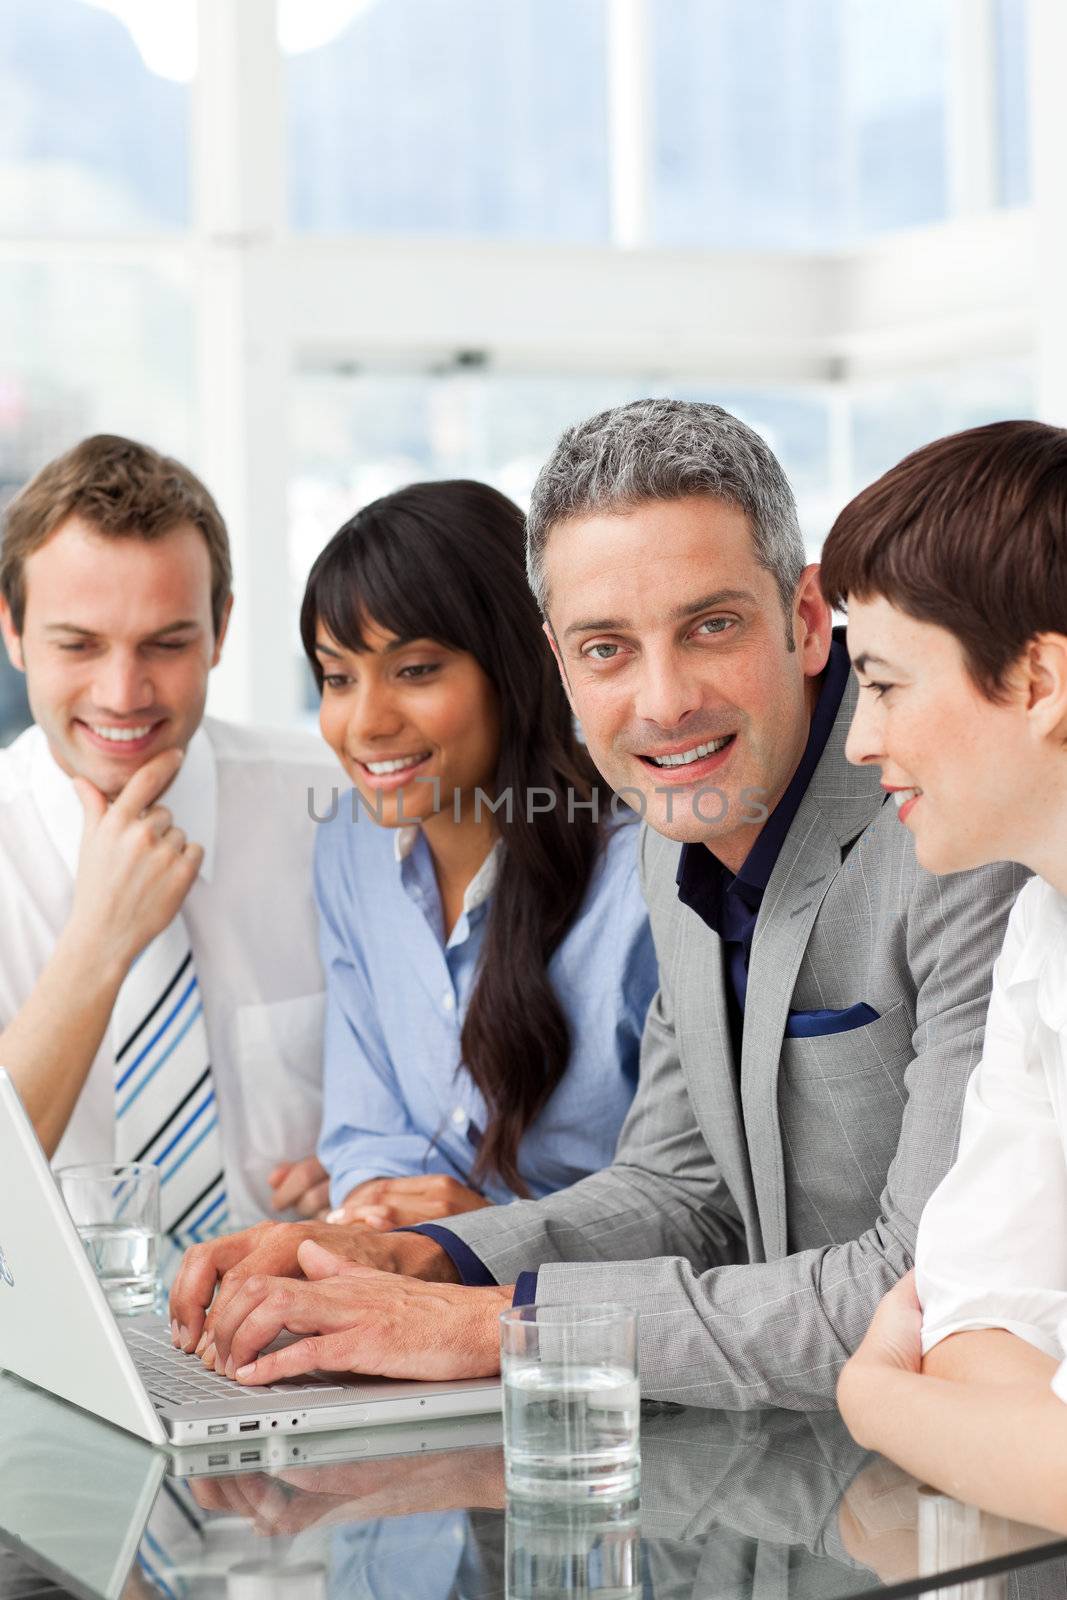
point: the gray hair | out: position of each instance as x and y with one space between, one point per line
666 450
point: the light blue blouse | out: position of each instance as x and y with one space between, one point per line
397 1101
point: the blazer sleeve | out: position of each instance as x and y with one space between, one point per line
720 1331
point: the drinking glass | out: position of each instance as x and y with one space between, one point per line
572 1401
115 1209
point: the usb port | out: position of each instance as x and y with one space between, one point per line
249 1427
251 1455
216 1427
220 1460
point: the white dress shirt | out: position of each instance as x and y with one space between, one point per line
992 1246
243 795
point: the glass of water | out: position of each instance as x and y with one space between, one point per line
116 1211
572 1402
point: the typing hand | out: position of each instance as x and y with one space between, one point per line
356 1319
301 1186
135 867
212 1273
385 1203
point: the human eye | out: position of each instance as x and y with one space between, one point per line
416 671
170 646
880 689
335 680
74 647
712 626
592 652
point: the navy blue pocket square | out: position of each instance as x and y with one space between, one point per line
817 1024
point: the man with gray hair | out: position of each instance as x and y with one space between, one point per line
822 998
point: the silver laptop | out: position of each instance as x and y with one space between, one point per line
57 1331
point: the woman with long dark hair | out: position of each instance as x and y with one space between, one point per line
487 951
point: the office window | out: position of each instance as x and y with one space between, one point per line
360 435
892 418
1013 126
796 124
88 349
92 138
451 117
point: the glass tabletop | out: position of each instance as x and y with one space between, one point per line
735 1506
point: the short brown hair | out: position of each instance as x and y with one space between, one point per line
122 489
969 533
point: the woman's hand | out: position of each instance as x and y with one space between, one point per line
894 1338
301 1186
385 1203
892 1344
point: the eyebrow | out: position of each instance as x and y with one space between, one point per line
680 613
863 661
87 633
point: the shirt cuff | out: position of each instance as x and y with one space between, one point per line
473 1272
525 1289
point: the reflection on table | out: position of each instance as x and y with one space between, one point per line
759 1506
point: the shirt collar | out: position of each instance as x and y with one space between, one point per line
481 885
696 864
192 800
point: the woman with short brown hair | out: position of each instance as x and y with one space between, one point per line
953 567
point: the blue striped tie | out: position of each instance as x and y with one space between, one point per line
165 1109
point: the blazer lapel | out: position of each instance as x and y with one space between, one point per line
840 802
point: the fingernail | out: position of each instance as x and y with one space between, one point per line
229 1366
185 1337
201 1343
246 1372
174 1339
208 1357
335 1216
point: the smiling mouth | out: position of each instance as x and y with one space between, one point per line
117 733
386 769
901 797
687 758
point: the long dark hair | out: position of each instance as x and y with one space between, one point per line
444 561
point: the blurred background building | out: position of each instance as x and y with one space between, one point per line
318 248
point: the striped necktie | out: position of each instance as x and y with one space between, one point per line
165 1110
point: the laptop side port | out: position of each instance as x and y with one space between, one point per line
251 1455
249 1427
216 1427
222 1459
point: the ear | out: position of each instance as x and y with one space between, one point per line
12 641
1044 684
551 637
812 622
224 623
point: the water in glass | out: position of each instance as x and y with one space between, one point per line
571 1428
124 1259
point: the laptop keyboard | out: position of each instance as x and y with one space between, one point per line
170 1374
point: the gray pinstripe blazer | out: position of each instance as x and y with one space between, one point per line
756 1218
